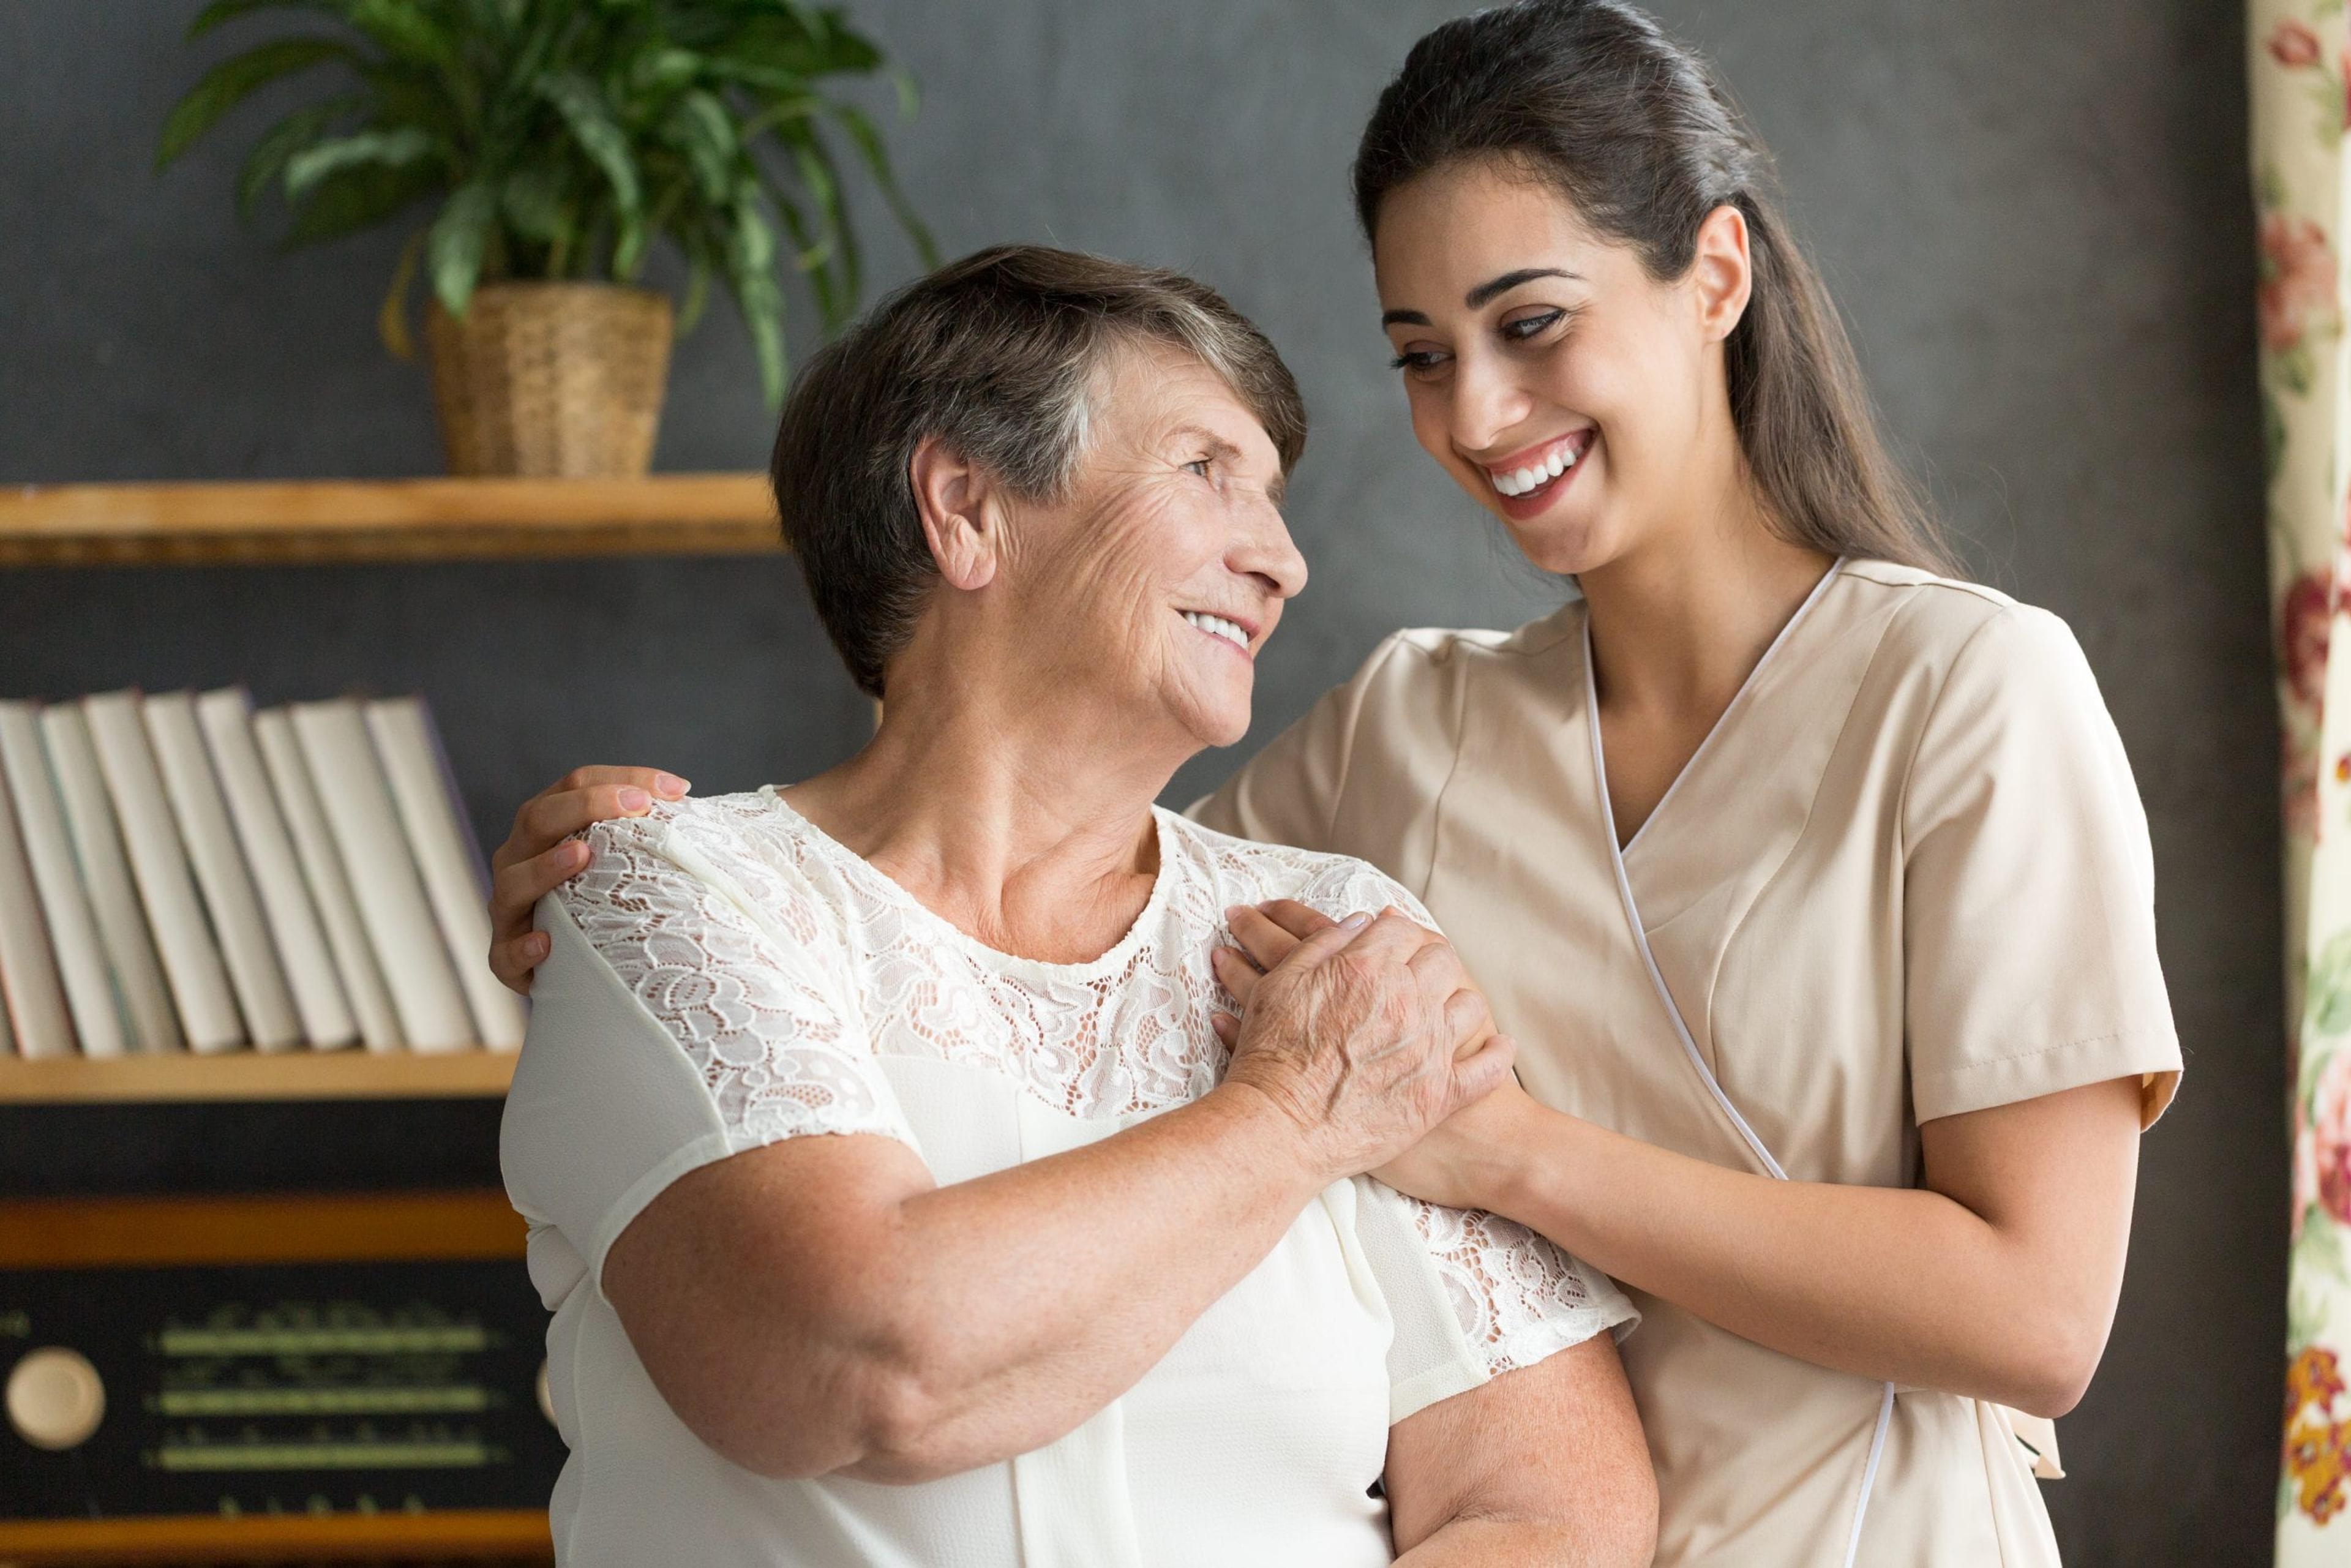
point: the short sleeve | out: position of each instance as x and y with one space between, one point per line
2029 886
1510 1298
675 1022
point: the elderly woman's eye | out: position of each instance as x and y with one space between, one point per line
1198 466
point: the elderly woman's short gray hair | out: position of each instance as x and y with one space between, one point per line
996 356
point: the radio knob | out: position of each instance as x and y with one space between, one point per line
56 1398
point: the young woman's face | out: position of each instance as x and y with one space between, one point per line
1575 397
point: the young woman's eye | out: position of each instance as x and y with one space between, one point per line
1418 361
1527 327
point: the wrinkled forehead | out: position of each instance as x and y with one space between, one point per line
1146 395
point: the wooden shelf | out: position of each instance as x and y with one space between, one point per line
349 1074
481 1535
386 520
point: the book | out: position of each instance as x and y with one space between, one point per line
90 993
28 971
322 873
226 719
159 866
105 875
365 825
448 857
193 791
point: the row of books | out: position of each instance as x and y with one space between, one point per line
178 872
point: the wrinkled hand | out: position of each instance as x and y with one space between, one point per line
1455 1164
539 855
1367 1033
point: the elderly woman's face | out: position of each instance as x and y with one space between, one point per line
1164 573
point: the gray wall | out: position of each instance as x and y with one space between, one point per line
2035 217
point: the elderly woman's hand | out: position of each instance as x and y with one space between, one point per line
537 856
1367 1033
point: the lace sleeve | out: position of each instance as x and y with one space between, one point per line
1517 1297
746 997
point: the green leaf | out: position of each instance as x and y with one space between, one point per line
281 141
584 110
394 149
705 133
404 29
234 80
2329 1009
452 253
751 273
867 140
221 11
356 198
533 203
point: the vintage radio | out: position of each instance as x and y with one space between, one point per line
271 1379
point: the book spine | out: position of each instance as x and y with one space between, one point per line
90 989
106 872
227 889
322 873
159 864
226 719
28 971
449 858
366 828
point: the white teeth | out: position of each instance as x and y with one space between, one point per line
1218 626
1518 481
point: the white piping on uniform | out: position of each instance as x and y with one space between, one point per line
1666 995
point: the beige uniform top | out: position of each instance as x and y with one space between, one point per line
1907 875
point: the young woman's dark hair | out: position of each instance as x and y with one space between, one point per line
1591 98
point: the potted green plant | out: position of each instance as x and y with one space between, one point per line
555 142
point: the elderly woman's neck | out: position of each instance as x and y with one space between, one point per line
1027 827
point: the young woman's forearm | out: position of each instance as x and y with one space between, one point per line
1908 1285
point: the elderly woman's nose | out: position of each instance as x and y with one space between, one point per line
1262 548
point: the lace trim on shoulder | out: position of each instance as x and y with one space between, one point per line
1517 1297
774 1052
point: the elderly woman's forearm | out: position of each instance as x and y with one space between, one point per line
921 1334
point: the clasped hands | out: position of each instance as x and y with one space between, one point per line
1329 1005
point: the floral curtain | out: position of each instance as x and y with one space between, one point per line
2300 70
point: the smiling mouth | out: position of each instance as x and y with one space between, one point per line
1232 632
1539 468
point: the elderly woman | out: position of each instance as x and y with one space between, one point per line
891 1188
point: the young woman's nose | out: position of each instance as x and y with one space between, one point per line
1487 403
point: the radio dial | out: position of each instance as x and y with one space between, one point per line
56 1398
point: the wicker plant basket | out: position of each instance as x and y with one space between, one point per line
551 380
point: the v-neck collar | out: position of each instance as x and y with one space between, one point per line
1721 720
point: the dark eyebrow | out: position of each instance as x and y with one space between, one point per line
1510 280
1481 295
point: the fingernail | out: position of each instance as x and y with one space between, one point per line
634 800
540 943
1355 922
575 853
671 785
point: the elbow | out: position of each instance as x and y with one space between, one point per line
899 1430
2054 1365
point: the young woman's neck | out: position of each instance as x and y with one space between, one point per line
1021 819
1680 621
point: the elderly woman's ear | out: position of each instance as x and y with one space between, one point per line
957 501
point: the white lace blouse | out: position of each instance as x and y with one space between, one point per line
724 976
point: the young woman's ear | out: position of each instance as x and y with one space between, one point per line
1721 271
955 499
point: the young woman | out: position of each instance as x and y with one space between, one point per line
1812 881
